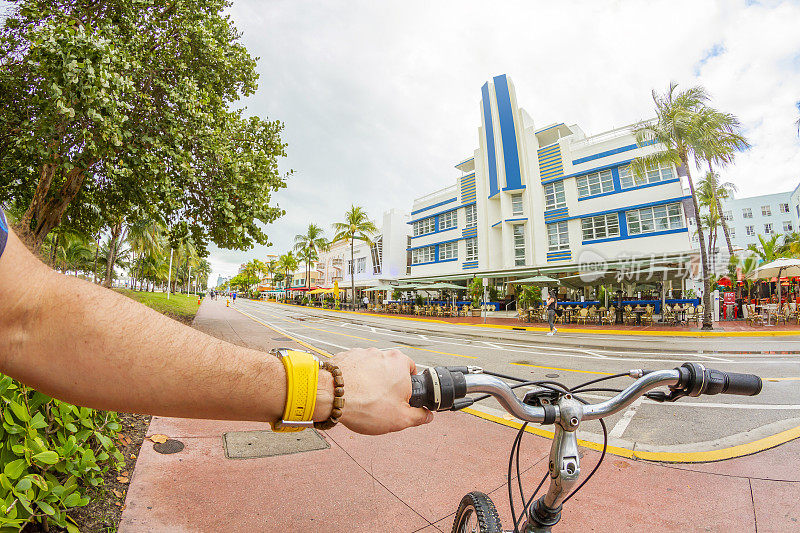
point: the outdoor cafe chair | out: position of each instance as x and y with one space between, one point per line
647 317
609 316
582 316
668 316
521 315
754 318
699 314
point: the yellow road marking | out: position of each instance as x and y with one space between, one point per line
444 353
298 341
783 379
564 369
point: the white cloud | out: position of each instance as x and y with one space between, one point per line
380 99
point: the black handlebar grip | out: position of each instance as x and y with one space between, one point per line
419 392
720 382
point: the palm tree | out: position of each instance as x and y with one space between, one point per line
709 193
719 145
356 226
679 130
287 263
769 249
145 237
271 268
310 244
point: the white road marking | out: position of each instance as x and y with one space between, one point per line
620 427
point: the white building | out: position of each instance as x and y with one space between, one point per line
766 215
384 260
548 199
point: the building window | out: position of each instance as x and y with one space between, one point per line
472 249
554 197
747 212
787 226
732 232
749 230
448 220
595 183
519 244
557 236
376 252
472 215
652 219
784 208
426 225
600 227
516 204
766 211
423 255
349 267
448 250
768 228
654 174
728 215
361 265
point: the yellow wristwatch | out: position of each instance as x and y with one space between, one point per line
302 373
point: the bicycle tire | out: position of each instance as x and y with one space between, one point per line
477 508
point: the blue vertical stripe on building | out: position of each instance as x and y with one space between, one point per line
507 133
623 224
488 130
615 179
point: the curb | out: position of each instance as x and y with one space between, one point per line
616 332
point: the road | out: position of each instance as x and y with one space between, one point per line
689 425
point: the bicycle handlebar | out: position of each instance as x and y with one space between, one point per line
441 388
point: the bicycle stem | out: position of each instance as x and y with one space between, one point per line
564 468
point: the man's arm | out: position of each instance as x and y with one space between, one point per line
93 347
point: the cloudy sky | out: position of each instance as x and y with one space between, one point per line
381 99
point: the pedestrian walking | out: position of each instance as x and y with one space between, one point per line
552 304
234 297
366 302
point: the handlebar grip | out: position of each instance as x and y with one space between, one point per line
437 388
720 382
419 392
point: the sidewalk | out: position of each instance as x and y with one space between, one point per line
725 328
414 480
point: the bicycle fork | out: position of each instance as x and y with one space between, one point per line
564 468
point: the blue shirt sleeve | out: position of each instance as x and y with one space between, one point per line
3 232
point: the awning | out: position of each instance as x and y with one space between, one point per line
442 285
536 280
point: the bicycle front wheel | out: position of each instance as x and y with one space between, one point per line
477 514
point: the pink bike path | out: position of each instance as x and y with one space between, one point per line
413 480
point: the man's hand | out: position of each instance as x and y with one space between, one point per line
377 387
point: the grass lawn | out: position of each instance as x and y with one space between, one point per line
179 306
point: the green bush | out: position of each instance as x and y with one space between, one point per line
50 453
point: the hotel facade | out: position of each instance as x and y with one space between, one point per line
546 199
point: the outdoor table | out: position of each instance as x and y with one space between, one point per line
680 313
639 311
569 311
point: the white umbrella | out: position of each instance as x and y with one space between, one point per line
785 266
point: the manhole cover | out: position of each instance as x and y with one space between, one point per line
170 446
252 444
281 338
552 375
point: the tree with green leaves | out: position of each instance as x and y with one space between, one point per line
287 263
122 105
309 245
357 226
768 249
680 130
709 193
719 146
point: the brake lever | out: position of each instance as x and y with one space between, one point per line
661 397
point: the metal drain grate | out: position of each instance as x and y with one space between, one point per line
253 444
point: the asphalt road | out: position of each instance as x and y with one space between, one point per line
692 424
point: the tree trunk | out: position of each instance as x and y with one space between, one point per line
42 188
352 273
112 253
719 209
707 322
48 214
